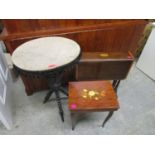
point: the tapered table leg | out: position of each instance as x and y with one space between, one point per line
48 96
107 118
63 91
73 120
59 105
115 84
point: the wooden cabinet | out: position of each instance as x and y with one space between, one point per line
114 37
101 65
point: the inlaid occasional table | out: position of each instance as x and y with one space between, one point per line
47 57
91 96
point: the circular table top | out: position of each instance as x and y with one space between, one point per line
45 54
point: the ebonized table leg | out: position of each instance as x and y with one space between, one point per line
48 96
54 81
63 91
75 117
115 84
59 105
108 117
73 121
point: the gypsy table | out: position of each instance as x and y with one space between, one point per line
47 57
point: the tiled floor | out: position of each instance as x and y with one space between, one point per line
136 115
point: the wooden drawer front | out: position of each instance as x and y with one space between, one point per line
106 70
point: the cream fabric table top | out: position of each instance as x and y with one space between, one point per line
46 53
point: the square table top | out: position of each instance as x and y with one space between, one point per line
92 96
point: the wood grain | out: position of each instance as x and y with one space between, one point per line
93 66
93 35
108 102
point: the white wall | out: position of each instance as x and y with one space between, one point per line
146 62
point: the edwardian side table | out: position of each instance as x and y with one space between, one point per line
91 96
47 57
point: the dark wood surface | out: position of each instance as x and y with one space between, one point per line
32 26
106 56
107 102
100 65
93 35
108 36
